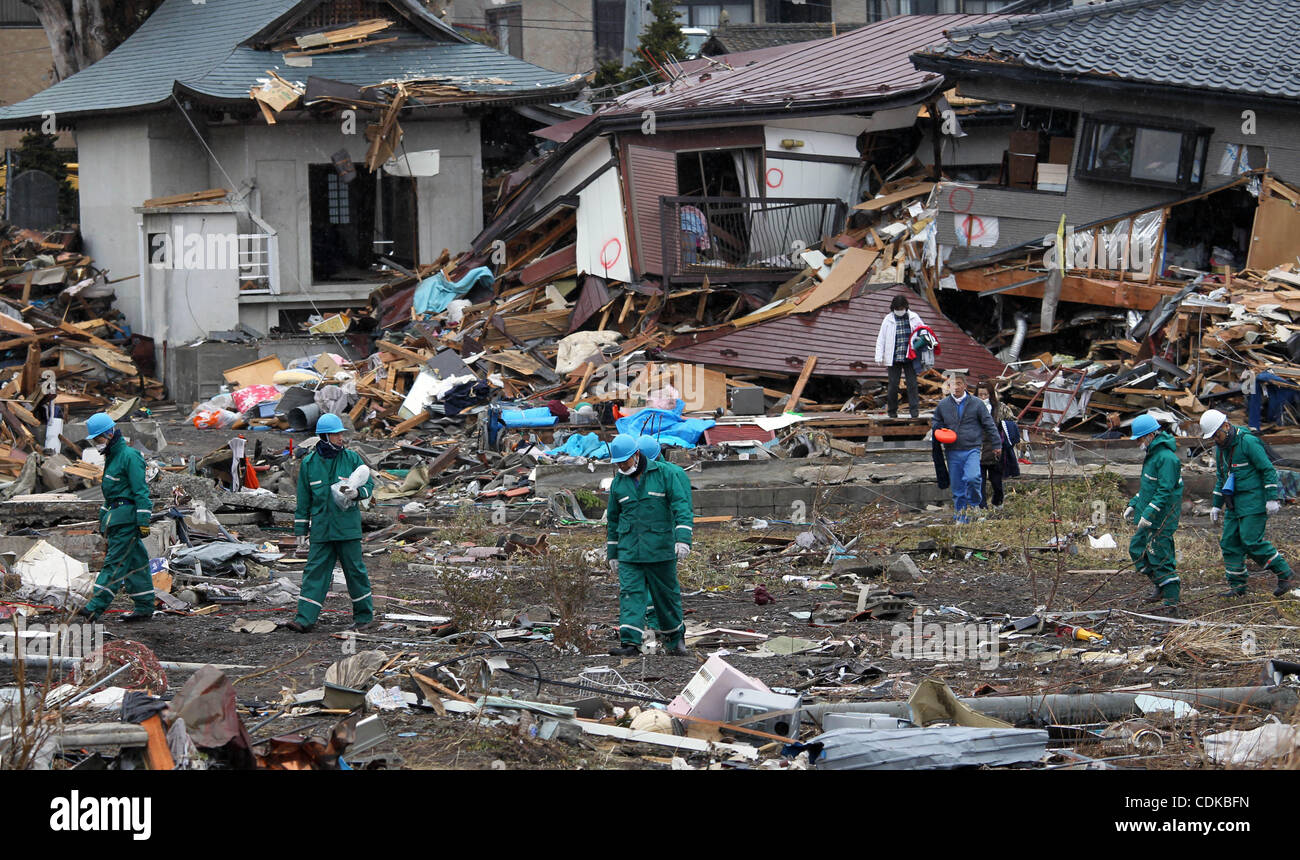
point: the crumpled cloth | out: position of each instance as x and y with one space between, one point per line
435 292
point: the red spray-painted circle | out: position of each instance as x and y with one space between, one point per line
972 226
609 256
966 203
775 176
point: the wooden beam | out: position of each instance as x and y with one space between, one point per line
1074 288
799 383
394 349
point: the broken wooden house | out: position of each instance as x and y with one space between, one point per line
318 200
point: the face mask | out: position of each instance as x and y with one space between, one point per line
627 467
100 444
901 314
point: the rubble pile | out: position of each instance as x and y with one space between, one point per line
68 348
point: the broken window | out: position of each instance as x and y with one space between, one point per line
507 28
1123 149
1240 158
355 224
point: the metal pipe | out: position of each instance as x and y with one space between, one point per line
1011 354
130 664
70 662
1066 708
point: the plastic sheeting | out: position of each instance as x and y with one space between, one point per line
582 445
435 292
668 427
540 416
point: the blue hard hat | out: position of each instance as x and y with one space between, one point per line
328 423
622 448
1142 425
649 447
99 424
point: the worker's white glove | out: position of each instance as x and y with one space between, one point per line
1215 513
682 550
1273 507
613 566
348 492
1128 514
1143 523
301 544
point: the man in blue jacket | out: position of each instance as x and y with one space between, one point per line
966 416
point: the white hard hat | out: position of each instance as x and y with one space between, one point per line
1211 421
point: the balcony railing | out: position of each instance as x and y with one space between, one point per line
755 237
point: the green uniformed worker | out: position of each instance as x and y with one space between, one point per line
1246 494
651 449
649 529
124 522
335 531
1157 507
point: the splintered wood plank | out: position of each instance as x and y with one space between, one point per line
799 383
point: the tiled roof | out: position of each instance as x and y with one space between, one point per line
197 47
1230 46
869 64
732 38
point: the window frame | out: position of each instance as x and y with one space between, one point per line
1193 147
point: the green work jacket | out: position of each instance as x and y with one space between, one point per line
645 518
317 514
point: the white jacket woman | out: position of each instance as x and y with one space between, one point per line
885 339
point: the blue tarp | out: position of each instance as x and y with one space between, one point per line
668 427
582 445
539 416
436 292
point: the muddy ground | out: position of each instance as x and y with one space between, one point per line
980 569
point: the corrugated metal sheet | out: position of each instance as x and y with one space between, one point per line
720 433
653 174
841 335
868 63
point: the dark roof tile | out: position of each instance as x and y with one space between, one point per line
1230 46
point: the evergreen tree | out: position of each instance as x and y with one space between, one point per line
662 38
37 152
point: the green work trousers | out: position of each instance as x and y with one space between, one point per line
639 583
1152 551
126 561
1242 538
319 573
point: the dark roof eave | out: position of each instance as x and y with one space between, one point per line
957 70
68 119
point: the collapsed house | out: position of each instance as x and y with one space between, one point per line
257 104
1089 185
720 199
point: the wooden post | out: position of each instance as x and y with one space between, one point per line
797 391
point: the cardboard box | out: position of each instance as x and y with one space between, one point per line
260 372
1025 143
1021 170
1052 177
1060 150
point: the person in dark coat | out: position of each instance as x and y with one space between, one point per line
998 460
968 419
